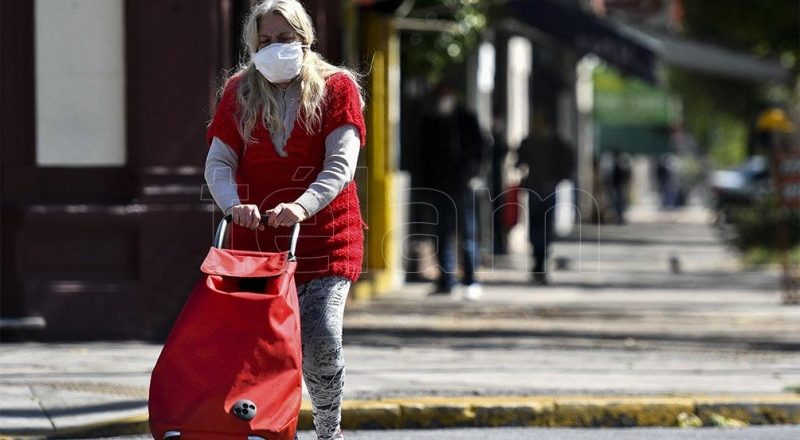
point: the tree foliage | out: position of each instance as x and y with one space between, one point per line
764 28
767 28
429 54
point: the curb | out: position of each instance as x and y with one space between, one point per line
566 412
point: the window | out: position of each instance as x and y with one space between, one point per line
80 83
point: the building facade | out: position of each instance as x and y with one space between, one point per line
104 113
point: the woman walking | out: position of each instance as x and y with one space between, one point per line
284 141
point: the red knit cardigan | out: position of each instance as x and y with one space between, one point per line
331 241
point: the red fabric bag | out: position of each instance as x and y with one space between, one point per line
510 208
231 366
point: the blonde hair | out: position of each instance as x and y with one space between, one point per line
255 94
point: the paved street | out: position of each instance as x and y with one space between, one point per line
761 433
627 323
771 433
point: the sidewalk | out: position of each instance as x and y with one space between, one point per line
653 320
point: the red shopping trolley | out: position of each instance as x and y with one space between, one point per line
231 366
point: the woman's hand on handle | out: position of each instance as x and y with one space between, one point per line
286 214
247 216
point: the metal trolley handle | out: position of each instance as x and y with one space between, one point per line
219 237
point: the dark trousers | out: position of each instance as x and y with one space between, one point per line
618 200
540 227
456 220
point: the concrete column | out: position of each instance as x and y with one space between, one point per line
586 179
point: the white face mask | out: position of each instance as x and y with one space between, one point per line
279 62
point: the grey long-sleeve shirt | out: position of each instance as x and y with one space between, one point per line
341 157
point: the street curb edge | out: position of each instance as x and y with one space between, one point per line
488 412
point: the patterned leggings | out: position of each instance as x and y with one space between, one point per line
321 312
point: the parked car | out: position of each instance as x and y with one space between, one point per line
739 186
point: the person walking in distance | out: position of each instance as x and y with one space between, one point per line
548 161
453 144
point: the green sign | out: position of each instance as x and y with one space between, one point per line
628 101
633 139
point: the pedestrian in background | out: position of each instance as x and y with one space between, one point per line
669 185
453 145
284 142
548 161
620 181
